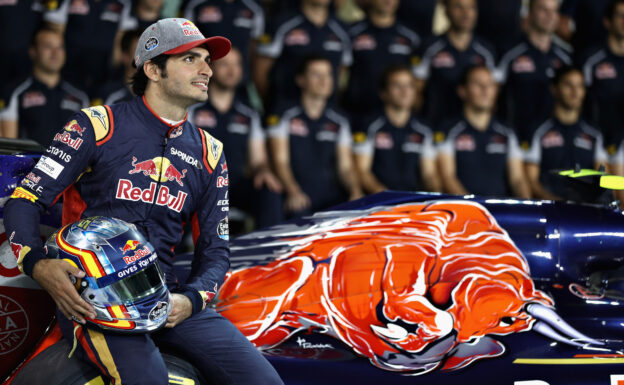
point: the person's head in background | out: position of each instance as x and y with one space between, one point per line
315 77
47 51
316 3
462 15
397 88
227 73
382 7
568 88
478 90
614 19
543 16
128 45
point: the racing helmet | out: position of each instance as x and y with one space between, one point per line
122 282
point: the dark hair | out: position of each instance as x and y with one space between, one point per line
41 29
304 63
563 71
139 79
610 8
468 71
389 72
127 39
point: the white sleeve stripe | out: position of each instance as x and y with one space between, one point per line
562 55
358 28
258 29
11 112
274 49
589 66
422 70
507 58
413 36
489 57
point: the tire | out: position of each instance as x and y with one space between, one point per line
52 367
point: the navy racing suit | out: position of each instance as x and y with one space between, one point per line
123 161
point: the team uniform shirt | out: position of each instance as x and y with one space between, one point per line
40 110
397 151
91 26
18 21
442 66
604 75
241 21
313 145
526 73
374 50
124 162
557 146
235 129
481 157
111 93
293 37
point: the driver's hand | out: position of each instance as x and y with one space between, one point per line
182 308
53 276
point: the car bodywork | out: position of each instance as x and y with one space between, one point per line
404 288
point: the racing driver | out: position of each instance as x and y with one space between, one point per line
141 161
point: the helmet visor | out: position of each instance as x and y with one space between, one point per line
139 285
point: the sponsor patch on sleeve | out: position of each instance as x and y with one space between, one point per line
24 194
100 121
223 229
439 137
49 167
359 137
272 120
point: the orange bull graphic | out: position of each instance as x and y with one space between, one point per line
413 288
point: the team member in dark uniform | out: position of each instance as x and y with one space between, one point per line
499 23
120 90
42 102
394 149
292 37
604 75
445 58
311 144
238 126
563 141
144 163
526 70
241 20
480 155
378 42
18 21
582 23
142 14
90 29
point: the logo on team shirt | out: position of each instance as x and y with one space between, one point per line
224 167
127 191
384 141
177 132
364 42
205 118
298 127
523 64
443 59
189 29
154 169
465 142
584 141
552 139
187 158
605 71
297 37
33 99
210 14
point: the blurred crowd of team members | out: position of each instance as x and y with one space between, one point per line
324 101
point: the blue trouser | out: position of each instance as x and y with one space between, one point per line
207 340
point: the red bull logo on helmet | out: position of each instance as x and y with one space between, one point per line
131 244
413 288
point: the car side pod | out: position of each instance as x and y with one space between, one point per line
551 325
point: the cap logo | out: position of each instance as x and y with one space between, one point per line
151 43
189 29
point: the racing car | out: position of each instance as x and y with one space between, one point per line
397 287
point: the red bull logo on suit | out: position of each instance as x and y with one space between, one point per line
414 288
